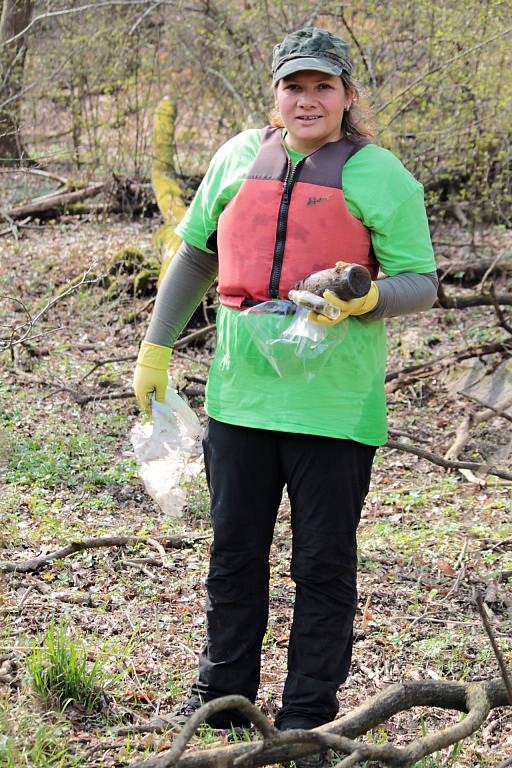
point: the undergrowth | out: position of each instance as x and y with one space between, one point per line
62 675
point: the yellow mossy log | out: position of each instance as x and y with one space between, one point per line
167 190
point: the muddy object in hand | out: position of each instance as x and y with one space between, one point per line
346 282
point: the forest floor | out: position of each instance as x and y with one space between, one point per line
428 537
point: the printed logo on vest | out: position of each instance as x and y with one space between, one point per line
315 200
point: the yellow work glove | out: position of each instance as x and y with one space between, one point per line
151 374
351 307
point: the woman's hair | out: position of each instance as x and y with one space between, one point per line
356 121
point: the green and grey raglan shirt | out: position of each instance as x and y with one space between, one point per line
345 397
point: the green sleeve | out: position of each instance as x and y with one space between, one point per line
389 201
220 184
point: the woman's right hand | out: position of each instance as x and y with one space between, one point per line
151 374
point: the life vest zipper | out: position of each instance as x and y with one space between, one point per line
282 225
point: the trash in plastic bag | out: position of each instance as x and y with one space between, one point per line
292 344
168 451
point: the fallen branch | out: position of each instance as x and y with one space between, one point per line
474 300
463 432
411 372
11 341
26 566
502 321
54 204
446 463
500 411
106 361
473 269
194 336
36 172
475 699
84 399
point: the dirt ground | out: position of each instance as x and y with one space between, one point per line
428 538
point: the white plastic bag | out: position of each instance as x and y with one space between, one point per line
168 451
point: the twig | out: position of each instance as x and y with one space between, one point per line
139 567
194 336
499 312
134 315
447 464
128 358
29 324
26 566
143 16
490 268
441 66
84 399
471 420
501 411
36 172
495 647
359 47
451 357
108 360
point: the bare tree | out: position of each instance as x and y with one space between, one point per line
14 20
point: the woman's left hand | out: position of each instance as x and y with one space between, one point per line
351 307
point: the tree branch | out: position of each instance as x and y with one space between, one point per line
446 463
477 699
452 357
441 66
475 300
28 566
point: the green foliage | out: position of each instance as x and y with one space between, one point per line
46 746
66 460
62 675
197 499
437 76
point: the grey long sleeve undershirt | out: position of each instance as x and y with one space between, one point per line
192 271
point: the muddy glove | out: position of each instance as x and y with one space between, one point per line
151 374
351 307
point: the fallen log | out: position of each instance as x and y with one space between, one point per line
462 301
54 204
473 270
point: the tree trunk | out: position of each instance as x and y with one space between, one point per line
14 19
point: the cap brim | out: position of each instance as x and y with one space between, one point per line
312 63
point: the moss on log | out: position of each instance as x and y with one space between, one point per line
163 178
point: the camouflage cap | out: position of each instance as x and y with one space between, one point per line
310 48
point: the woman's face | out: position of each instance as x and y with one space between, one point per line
311 105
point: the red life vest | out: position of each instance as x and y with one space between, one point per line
284 224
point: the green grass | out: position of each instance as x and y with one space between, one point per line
66 460
62 675
35 740
43 748
197 508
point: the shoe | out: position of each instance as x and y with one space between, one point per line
318 760
225 720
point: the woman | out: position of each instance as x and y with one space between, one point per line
275 205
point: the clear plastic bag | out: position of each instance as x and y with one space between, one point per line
168 451
292 344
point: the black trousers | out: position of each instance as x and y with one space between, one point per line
327 480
